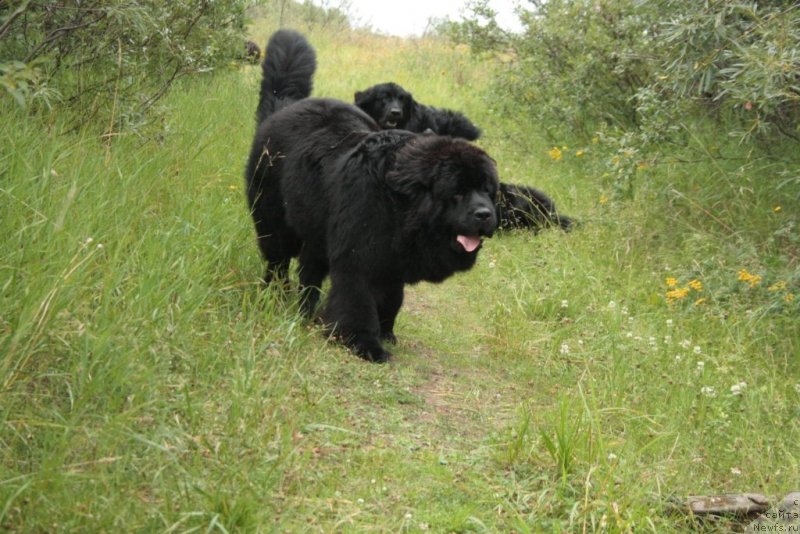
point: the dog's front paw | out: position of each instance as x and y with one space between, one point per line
372 352
389 337
375 355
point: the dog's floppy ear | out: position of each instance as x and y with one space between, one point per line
408 184
362 98
412 171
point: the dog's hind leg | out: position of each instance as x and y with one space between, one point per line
278 246
389 304
311 274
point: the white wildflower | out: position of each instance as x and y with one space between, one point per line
738 389
708 391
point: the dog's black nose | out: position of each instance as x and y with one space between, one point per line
482 214
395 113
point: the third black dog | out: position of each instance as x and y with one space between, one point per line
393 107
520 206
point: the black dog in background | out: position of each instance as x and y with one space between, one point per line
520 206
393 107
252 52
375 209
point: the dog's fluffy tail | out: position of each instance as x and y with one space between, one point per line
288 72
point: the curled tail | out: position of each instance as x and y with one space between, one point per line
288 71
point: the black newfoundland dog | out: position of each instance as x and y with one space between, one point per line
393 107
252 53
374 209
518 206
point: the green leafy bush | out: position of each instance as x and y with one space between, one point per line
112 60
577 65
644 66
740 57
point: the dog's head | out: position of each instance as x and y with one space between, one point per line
453 185
388 103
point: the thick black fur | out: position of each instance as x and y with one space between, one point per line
393 107
373 209
518 206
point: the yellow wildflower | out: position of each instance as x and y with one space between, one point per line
788 298
777 286
752 279
677 294
603 200
700 302
579 153
777 209
697 285
555 153
671 282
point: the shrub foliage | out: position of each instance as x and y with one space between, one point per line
112 60
584 65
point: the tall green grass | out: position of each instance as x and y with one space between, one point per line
149 383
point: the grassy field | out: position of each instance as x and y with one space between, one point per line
149 382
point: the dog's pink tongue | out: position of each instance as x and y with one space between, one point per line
469 243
